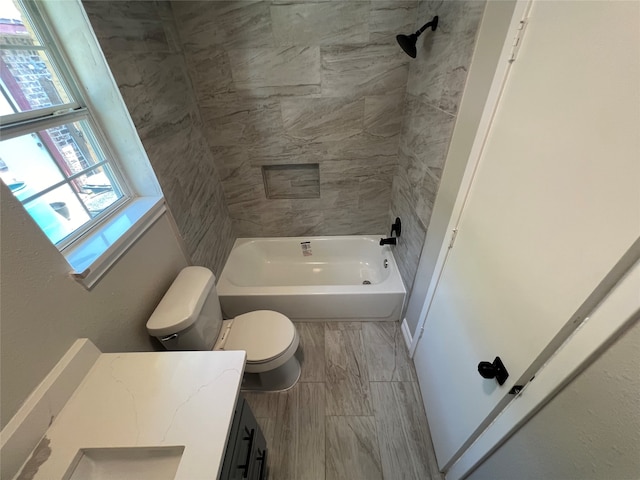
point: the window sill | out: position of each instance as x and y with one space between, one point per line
96 254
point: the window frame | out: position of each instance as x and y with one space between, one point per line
59 65
77 110
90 258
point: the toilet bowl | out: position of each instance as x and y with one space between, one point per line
189 318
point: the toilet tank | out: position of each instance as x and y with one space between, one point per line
188 317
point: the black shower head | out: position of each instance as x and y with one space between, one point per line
408 42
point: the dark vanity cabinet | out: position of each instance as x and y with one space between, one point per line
246 454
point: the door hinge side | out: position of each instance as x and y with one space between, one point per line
516 389
454 234
421 332
517 40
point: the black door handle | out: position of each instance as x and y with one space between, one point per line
495 370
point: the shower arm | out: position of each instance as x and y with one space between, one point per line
433 24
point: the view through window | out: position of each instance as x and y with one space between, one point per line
52 156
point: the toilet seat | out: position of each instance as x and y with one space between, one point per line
268 337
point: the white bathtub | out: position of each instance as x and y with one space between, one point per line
313 278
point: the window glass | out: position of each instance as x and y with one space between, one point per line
58 170
29 79
55 166
58 213
98 192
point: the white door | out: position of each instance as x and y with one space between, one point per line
553 206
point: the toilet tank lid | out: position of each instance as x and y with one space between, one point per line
181 305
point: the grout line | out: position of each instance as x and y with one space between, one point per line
326 443
372 416
392 381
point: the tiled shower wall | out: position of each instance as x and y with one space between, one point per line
231 86
141 45
434 89
301 82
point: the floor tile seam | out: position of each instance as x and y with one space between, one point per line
393 381
326 447
379 439
345 415
331 414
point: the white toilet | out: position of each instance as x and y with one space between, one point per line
189 318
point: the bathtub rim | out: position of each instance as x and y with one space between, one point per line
392 284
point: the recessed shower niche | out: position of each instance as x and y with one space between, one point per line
291 181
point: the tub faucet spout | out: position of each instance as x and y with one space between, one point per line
388 241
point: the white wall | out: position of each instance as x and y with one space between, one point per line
590 430
43 310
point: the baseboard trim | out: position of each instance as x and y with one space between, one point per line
408 339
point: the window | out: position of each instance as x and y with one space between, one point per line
68 148
53 156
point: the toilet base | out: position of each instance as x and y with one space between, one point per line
279 379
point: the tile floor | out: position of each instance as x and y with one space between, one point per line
356 412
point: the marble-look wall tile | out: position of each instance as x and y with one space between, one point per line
373 195
210 72
234 120
228 24
280 148
275 220
409 247
443 60
422 156
364 146
428 186
358 168
174 157
270 71
142 79
151 73
349 70
242 184
133 26
352 194
298 82
434 88
324 23
322 119
428 149
208 230
383 114
389 18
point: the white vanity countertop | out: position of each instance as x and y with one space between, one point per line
146 400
